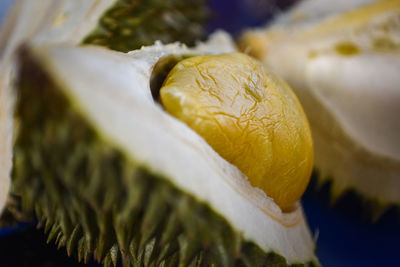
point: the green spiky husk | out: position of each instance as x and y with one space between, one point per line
94 200
128 25
351 202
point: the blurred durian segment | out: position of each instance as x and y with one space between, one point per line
342 58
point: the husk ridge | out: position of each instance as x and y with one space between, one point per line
350 201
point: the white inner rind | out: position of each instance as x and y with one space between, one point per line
112 90
363 93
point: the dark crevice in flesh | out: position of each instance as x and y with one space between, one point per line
160 72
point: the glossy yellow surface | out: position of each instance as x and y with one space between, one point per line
249 116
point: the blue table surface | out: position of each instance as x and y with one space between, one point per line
342 240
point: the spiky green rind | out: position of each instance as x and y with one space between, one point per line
128 25
351 201
93 200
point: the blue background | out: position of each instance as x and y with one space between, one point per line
343 239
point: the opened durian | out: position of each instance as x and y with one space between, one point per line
342 59
108 172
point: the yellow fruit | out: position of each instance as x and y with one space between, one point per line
249 116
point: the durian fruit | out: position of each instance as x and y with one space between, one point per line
342 58
117 24
109 172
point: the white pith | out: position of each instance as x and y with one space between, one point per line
352 101
112 90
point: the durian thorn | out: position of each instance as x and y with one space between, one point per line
55 230
149 251
81 248
61 242
47 226
59 238
106 236
188 248
107 261
224 255
86 256
73 239
114 253
125 259
167 250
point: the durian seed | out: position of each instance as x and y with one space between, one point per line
249 116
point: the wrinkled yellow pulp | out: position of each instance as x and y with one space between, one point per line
249 116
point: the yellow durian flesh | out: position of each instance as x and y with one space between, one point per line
249 116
